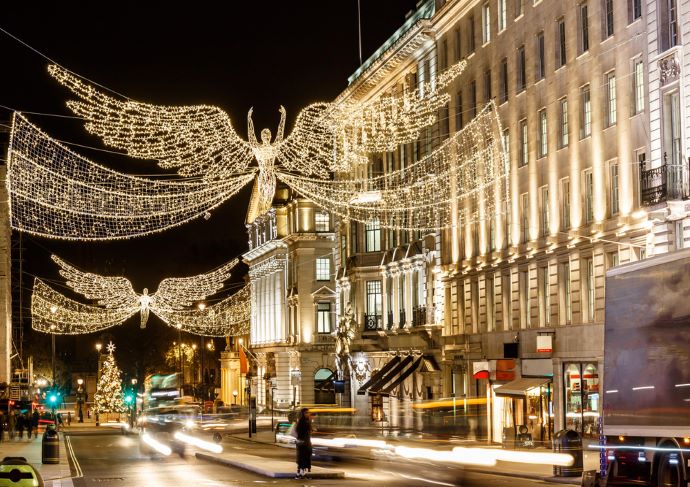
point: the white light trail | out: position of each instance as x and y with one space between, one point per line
199 443
156 445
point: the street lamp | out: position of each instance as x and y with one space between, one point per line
234 398
133 404
194 368
80 400
179 354
99 346
53 310
202 307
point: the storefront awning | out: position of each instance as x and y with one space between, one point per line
403 375
521 386
377 375
385 380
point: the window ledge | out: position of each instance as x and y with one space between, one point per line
519 17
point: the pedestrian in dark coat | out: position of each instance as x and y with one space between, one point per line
35 422
2 425
20 424
11 424
303 437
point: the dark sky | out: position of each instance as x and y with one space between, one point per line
260 54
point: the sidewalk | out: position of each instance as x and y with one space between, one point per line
57 475
508 469
276 469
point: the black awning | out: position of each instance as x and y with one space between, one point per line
383 381
377 375
403 375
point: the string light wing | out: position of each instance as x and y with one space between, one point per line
52 312
57 193
116 292
229 317
327 137
467 172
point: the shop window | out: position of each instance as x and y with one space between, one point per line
581 385
324 392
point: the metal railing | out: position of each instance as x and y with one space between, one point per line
666 182
373 322
419 316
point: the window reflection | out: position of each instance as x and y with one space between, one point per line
581 384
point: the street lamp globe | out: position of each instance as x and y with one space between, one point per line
201 306
80 382
134 382
193 346
98 347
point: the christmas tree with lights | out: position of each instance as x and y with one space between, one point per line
109 397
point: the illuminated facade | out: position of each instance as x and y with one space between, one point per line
589 103
290 261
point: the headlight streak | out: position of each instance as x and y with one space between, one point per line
199 443
156 445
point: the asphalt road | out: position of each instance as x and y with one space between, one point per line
114 460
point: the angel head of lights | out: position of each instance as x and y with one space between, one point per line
116 301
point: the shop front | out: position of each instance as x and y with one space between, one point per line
582 399
523 412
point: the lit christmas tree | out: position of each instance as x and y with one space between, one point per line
109 397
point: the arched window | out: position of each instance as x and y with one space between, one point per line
324 393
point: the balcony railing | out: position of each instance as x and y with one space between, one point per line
402 318
669 181
373 322
419 316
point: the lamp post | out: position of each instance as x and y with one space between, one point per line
194 368
133 411
234 398
80 400
179 354
98 374
53 310
204 396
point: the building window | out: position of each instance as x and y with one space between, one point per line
373 236
322 222
545 213
542 142
585 112
471 34
323 317
521 71
492 233
507 301
588 265
443 61
353 237
524 152
490 308
541 66
615 202
668 23
524 208
544 297
638 86
641 160
504 80
473 98
458 110
502 15
608 18
560 44
567 316
457 45
374 305
565 194
323 269
583 29
612 259
672 123
562 123
487 86
582 398
610 98
634 10
519 8
486 23
589 195
525 318
506 149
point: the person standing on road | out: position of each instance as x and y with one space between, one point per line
35 422
304 450
11 424
2 425
29 423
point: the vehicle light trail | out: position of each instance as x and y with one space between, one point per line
199 443
156 445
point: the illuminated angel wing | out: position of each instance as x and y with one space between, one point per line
113 292
176 293
199 140
333 136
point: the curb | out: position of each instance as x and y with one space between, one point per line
544 478
266 473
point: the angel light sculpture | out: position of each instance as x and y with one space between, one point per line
117 293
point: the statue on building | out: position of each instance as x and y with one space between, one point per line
344 334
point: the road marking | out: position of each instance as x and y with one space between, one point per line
75 462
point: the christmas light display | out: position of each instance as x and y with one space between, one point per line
200 140
52 312
468 167
109 397
57 193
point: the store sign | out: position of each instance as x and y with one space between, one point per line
480 370
505 369
537 367
545 343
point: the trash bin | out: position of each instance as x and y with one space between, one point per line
50 446
19 473
570 442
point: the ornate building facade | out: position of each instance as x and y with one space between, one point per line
506 314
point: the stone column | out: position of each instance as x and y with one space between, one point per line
230 378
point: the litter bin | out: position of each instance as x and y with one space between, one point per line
570 442
50 446
17 472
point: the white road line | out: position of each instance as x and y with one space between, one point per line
70 450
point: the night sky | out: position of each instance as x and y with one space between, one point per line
260 54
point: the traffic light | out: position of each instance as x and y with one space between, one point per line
129 399
53 398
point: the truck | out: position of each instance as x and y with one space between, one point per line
645 423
